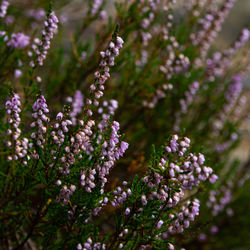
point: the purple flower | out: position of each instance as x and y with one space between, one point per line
79 247
18 41
202 237
214 229
96 6
3 8
77 105
213 178
41 47
18 73
159 224
103 15
127 211
123 147
40 104
37 14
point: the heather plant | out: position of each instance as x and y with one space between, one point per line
108 112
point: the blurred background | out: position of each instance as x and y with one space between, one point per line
238 18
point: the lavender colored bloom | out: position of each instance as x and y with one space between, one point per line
77 105
40 109
219 199
159 224
245 35
212 24
37 14
214 229
66 193
103 15
234 89
107 60
3 8
188 212
40 104
41 47
171 246
123 147
2 33
18 73
9 20
79 247
96 6
127 211
173 145
213 178
202 237
20 146
18 41
229 212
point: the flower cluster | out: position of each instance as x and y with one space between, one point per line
185 103
101 76
176 62
211 26
148 8
161 190
65 193
41 47
96 7
90 245
37 14
189 95
120 195
181 220
40 111
18 41
61 127
79 143
220 147
218 199
3 8
4 35
19 146
232 95
183 176
77 104
218 65
112 150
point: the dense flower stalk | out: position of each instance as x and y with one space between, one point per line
232 95
211 26
101 76
185 103
175 63
19 146
77 105
182 219
218 65
96 89
41 47
218 199
40 123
